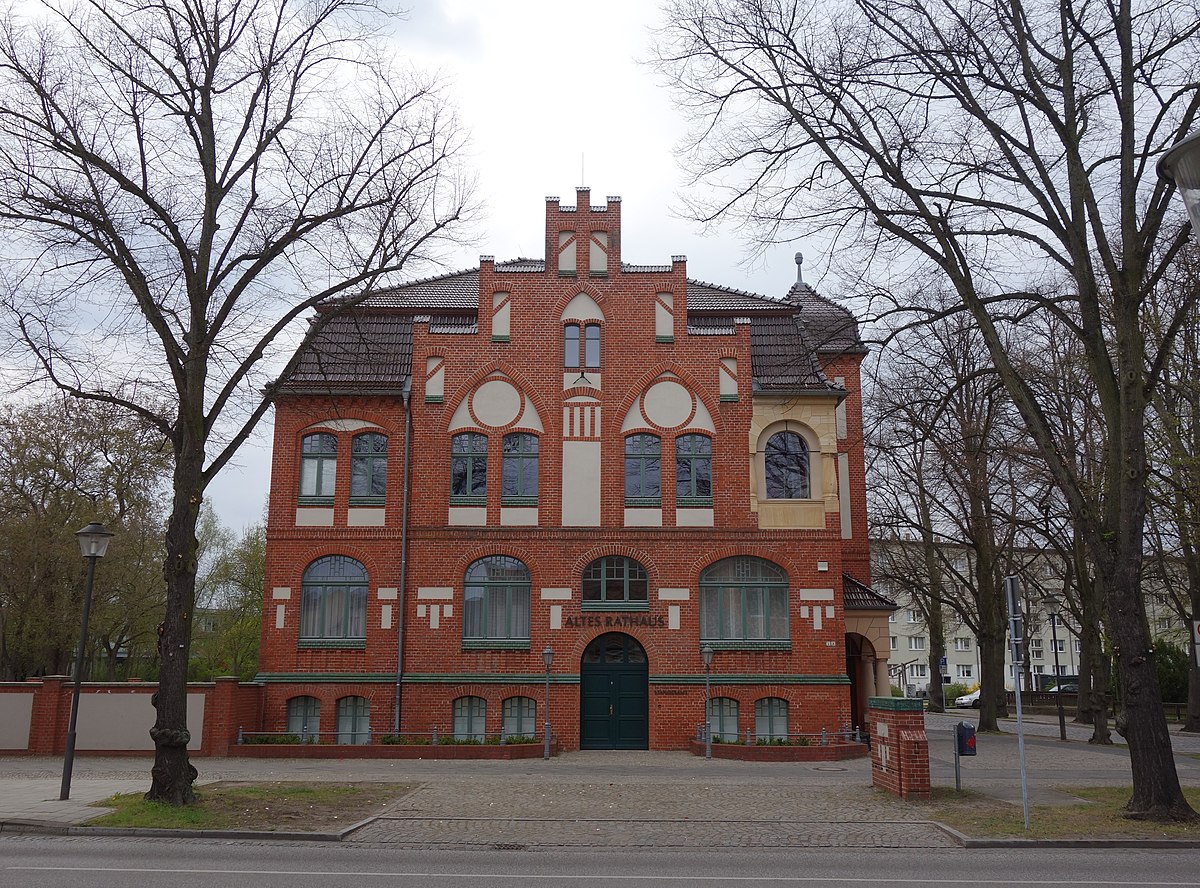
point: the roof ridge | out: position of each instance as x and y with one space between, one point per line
426 280
738 292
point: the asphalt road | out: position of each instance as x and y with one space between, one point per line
39 862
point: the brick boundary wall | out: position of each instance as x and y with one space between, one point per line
899 747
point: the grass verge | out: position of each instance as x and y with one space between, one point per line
1097 816
274 806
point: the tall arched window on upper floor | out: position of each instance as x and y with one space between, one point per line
496 603
744 603
693 470
368 469
318 467
643 470
519 485
787 464
468 468
333 601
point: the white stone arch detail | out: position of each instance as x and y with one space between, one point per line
666 404
474 412
582 308
342 425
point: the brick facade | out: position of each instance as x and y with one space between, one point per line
484 353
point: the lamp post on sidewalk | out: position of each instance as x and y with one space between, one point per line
706 654
547 660
93 543
1052 605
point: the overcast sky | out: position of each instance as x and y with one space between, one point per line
554 95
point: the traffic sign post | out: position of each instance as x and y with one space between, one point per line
1196 640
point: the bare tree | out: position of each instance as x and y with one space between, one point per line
1011 146
182 181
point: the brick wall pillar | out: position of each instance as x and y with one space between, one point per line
220 720
51 709
899 747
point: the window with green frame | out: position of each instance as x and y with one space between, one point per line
353 721
333 603
496 603
470 719
304 716
519 482
643 470
520 717
468 469
771 719
723 719
744 603
318 468
615 583
693 471
368 469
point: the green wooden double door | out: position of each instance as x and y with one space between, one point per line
614 694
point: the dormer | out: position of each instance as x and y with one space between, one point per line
583 240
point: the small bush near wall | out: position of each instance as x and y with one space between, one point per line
269 739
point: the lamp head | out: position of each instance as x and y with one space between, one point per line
547 656
93 540
1181 164
706 654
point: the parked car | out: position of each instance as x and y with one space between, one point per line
968 701
1068 687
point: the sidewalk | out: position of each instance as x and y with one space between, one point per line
627 799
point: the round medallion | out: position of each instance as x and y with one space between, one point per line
667 404
496 403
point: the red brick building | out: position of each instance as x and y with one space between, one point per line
606 460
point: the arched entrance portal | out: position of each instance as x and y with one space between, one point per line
614 693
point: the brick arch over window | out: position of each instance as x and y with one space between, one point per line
531 398
706 395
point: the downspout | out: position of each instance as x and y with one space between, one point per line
406 395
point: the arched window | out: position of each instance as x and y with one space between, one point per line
468 469
743 599
643 470
770 719
520 470
304 717
333 600
496 603
368 468
787 467
318 467
353 721
723 719
520 717
693 470
589 337
615 582
470 719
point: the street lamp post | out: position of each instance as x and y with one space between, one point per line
1181 164
706 653
1052 606
547 660
93 542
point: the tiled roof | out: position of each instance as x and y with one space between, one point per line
456 290
356 350
828 326
781 358
703 296
858 596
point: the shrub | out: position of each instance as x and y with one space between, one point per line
269 739
951 692
1171 663
405 740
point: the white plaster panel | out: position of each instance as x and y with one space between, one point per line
447 611
16 718
822 566
123 721
556 616
435 592
674 594
360 517
518 516
728 376
422 610
581 484
664 315
840 411
582 308
588 378
598 254
634 419
343 425
435 613
667 404
643 517
496 403
844 494
804 611
829 612
385 617
281 592
673 616
815 594
435 377
386 594
467 516
881 729
461 418
566 251
309 517
280 612
693 517
500 314
702 419
556 594
530 418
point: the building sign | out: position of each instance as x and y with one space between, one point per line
614 621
